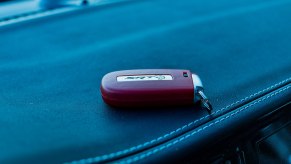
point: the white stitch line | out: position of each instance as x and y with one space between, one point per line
201 129
112 155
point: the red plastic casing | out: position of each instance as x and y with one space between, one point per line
179 90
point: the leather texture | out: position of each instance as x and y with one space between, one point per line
51 69
210 133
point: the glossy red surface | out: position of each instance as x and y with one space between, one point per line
180 90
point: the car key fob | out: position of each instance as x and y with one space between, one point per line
152 87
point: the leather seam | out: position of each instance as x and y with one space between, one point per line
41 13
144 155
21 16
30 15
129 150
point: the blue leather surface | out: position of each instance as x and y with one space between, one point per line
190 144
51 68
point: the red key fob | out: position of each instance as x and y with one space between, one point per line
152 87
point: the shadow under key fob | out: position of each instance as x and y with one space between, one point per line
152 87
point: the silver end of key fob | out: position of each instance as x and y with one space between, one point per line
199 93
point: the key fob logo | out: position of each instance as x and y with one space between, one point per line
144 78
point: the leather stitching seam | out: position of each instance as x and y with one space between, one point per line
139 157
122 152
